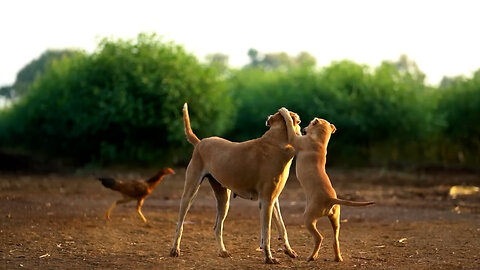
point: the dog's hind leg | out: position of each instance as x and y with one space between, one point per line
223 201
193 178
335 221
311 226
282 231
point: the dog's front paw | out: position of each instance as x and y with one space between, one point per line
339 259
311 258
283 110
290 252
224 254
174 252
271 261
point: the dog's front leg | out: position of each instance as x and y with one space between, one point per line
266 208
184 206
282 231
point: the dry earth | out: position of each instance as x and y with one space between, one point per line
56 221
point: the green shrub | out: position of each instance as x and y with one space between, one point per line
377 113
122 103
459 106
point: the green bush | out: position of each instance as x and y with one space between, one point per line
122 103
376 112
459 106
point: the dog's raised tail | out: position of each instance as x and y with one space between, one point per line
349 203
191 137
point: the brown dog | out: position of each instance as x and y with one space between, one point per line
311 151
254 169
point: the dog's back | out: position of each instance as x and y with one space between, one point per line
228 160
239 166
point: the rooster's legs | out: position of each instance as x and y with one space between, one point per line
124 200
139 210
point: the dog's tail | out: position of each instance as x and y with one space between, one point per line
191 137
349 203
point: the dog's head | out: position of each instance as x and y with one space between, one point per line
320 128
277 118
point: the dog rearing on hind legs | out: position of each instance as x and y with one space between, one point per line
322 199
256 170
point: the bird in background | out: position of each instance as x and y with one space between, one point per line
134 190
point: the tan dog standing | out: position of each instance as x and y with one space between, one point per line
254 169
311 151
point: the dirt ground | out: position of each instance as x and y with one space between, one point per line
56 221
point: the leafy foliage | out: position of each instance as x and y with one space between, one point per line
121 103
459 106
373 111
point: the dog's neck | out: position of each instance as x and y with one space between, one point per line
323 152
322 141
277 133
315 185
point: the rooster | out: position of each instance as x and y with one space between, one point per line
134 190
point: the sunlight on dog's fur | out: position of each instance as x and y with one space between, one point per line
311 151
256 170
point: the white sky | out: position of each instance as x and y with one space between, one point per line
441 36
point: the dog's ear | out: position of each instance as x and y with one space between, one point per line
267 123
333 128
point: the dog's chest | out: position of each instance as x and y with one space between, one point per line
280 181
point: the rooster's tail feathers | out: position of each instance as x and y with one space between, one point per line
107 182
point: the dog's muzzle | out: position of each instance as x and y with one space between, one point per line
303 131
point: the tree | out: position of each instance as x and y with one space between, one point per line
409 69
6 91
36 68
218 61
253 55
446 82
280 60
273 61
305 59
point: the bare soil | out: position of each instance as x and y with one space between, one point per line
56 221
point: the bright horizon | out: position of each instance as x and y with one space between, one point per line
441 36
